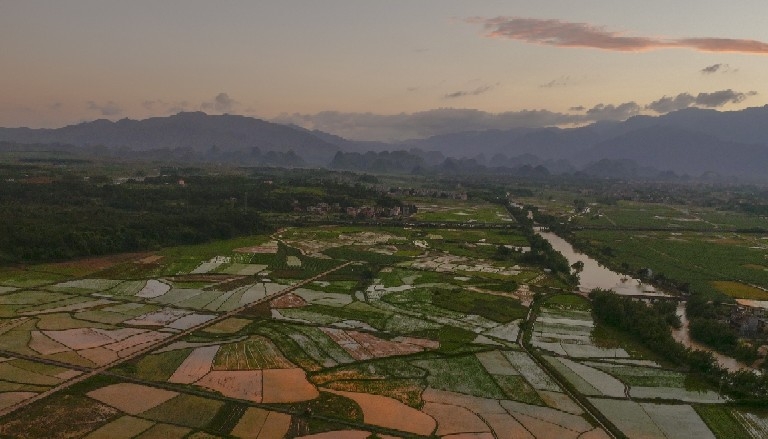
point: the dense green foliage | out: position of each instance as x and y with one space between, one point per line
54 215
649 325
497 308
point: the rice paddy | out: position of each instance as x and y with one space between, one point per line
421 337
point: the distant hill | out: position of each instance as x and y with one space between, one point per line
691 142
196 131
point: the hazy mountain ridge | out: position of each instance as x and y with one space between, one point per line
196 131
691 141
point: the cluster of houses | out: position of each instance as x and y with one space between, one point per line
750 321
362 212
422 192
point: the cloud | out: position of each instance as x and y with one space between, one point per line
669 103
404 126
714 68
473 92
722 97
559 82
109 108
222 103
559 33
614 112
709 100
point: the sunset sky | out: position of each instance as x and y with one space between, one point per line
379 69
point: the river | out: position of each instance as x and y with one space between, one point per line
595 275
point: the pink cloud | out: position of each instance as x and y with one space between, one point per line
559 33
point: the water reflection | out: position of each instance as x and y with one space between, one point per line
595 275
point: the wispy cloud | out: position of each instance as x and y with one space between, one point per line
558 82
560 33
109 108
715 99
472 92
714 68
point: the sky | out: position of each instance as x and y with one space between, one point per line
384 70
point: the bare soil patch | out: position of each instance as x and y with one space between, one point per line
131 398
287 385
389 413
289 300
195 366
240 384
453 419
124 427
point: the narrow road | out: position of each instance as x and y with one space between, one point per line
89 373
556 378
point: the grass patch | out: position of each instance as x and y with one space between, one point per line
62 415
568 302
721 421
328 405
188 410
604 336
227 418
500 309
462 374
518 389
155 367
407 391
738 290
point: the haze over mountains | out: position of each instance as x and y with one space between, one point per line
689 142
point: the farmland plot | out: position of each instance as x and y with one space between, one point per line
86 285
629 417
254 353
678 421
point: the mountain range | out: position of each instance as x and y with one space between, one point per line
687 142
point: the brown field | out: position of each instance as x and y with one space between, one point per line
99 356
453 419
287 385
195 366
131 398
228 326
257 423
364 346
124 427
164 431
80 338
240 384
340 434
289 300
8 399
389 413
44 345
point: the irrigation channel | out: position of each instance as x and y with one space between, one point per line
595 275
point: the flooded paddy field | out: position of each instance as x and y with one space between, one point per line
418 337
